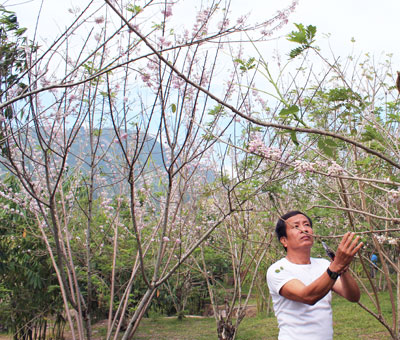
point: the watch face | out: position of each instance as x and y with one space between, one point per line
332 275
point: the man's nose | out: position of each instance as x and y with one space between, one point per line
304 228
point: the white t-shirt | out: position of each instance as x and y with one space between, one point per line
296 320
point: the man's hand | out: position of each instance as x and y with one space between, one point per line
345 253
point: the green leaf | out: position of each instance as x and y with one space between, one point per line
96 132
290 111
293 136
208 136
325 148
303 36
134 9
310 32
20 31
8 112
331 142
246 65
299 36
218 109
296 51
371 134
173 108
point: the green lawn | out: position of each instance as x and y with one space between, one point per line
350 322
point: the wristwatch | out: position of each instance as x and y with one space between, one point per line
332 275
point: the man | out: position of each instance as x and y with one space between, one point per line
374 264
300 286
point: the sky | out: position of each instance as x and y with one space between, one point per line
373 24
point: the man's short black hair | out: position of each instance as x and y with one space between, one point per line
280 229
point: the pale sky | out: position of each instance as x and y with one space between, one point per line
374 24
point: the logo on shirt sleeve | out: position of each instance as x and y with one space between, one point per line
278 270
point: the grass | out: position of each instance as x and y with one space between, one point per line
350 322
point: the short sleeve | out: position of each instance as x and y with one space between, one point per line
277 276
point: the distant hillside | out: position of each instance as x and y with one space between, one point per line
108 143
150 155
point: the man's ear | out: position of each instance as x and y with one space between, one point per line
283 240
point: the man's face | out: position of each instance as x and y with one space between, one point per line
298 230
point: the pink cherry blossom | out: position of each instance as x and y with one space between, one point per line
167 12
99 20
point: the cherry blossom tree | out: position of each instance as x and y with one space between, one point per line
120 112
339 131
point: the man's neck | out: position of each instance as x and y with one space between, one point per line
302 257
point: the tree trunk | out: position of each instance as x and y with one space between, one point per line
225 329
147 297
398 292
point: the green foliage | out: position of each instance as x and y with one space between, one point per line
371 134
28 287
246 65
346 97
291 112
135 9
327 145
217 110
208 137
293 137
13 52
304 36
338 104
173 108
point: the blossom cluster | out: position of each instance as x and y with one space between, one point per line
394 196
167 12
256 145
167 239
279 20
150 69
164 43
387 239
335 169
305 166
9 195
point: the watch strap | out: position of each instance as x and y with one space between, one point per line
332 275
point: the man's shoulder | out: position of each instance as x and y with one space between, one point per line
277 265
319 261
275 274
283 260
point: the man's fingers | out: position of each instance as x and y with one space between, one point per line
349 242
347 238
344 240
356 249
349 245
355 242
